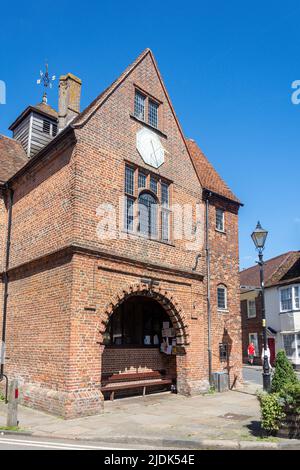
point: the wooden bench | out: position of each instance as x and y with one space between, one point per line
115 382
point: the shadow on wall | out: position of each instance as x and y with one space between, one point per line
226 339
136 360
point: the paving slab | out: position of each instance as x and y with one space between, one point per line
229 418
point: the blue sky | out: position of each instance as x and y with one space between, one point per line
228 67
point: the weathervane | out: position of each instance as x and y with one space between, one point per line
46 81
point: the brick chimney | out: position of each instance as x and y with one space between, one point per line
69 99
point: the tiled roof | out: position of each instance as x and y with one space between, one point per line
208 176
12 157
47 109
274 270
44 108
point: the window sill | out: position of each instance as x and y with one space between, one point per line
251 318
154 129
223 310
220 231
138 235
289 311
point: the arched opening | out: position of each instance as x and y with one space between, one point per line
147 214
139 344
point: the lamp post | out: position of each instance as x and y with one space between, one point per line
259 238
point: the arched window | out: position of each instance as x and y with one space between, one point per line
147 215
222 297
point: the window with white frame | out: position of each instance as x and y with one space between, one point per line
289 298
298 343
222 297
220 220
251 309
297 296
253 338
289 343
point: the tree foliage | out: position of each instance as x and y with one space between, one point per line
284 373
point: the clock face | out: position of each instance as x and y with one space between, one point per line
150 148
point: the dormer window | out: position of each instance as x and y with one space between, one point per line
139 105
54 129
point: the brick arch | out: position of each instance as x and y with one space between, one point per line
163 297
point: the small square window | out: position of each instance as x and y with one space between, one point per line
153 113
251 309
220 220
142 180
139 105
223 352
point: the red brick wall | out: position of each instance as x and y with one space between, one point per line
3 228
104 143
42 208
58 304
224 254
127 361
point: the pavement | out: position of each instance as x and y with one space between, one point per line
228 420
22 442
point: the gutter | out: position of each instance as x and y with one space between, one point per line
207 250
6 282
208 193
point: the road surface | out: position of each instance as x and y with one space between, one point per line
254 374
14 442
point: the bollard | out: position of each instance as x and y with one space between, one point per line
12 407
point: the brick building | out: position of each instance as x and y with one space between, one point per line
119 247
282 305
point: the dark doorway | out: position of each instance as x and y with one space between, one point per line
271 344
136 322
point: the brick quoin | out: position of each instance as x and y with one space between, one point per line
65 282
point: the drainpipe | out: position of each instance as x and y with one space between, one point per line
6 281
207 249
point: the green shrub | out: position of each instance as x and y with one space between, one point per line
289 398
272 412
284 373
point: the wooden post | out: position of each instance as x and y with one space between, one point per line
12 407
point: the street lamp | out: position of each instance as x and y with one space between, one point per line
259 237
